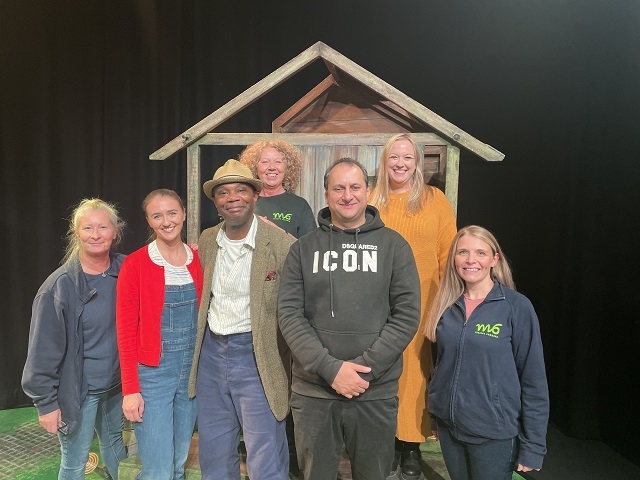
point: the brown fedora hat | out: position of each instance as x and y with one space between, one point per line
231 172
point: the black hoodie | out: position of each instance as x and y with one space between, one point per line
349 295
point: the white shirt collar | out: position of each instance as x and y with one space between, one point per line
249 240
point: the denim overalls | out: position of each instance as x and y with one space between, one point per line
169 415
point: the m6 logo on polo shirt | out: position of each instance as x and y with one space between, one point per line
488 329
286 217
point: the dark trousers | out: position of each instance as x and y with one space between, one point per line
364 428
489 460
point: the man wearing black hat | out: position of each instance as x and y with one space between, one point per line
238 370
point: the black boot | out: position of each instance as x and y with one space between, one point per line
396 460
410 464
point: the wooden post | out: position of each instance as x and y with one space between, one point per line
194 193
452 173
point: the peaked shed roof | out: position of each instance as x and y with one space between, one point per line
340 67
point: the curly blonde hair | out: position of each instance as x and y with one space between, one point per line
292 161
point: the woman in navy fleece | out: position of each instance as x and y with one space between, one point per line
72 372
488 395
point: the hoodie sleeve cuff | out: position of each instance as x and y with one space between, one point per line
369 377
48 408
330 369
530 459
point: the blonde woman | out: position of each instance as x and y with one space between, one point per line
489 394
424 217
72 372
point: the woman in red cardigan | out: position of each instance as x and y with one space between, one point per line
158 294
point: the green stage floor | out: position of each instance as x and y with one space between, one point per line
28 452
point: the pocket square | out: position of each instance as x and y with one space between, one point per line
271 275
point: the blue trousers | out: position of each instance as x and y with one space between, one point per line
169 416
102 413
489 460
231 398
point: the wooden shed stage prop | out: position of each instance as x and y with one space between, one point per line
351 113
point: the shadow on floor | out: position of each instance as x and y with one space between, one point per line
573 459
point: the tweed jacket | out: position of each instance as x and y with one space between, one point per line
271 351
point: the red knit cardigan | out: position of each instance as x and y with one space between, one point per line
139 304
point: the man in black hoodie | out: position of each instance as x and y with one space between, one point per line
349 304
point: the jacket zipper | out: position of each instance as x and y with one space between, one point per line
457 371
459 356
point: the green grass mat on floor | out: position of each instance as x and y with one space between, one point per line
31 453
11 419
43 463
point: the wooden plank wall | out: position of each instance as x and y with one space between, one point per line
317 158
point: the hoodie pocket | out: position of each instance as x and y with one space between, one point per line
346 346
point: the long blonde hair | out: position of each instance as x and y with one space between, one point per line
452 286
419 194
292 161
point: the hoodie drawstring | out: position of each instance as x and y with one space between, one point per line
330 277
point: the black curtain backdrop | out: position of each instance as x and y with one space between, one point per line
89 89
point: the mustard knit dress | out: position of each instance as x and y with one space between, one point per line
429 233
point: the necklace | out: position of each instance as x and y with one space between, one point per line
94 271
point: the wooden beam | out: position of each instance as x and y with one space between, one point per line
333 71
240 102
336 63
314 138
310 97
450 131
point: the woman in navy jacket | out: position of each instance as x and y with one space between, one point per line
488 394
72 372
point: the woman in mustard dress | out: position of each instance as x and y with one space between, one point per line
423 215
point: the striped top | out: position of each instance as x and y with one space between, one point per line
229 309
172 275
